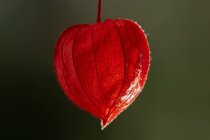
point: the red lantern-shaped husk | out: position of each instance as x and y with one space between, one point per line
102 67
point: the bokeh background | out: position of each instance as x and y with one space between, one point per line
174 105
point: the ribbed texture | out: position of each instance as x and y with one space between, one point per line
103 67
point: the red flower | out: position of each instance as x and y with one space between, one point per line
102 67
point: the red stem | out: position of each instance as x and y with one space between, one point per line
99 11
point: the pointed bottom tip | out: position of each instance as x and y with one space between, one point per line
104 123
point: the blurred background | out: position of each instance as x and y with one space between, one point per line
174 105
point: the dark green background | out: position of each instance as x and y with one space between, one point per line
174 105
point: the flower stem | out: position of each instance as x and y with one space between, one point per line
99 12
